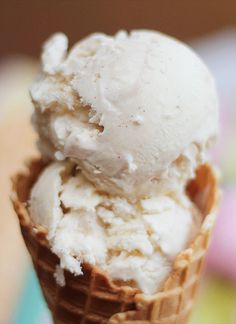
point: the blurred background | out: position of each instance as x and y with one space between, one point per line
207 25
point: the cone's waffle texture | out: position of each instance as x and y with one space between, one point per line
93 297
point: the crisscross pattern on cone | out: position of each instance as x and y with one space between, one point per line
93 297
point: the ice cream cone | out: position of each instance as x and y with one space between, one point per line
93 297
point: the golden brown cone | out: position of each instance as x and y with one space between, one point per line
93 297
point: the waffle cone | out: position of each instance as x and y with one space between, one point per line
93 297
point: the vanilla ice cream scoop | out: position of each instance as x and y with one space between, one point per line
136 111
132 243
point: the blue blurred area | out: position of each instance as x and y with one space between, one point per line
31 308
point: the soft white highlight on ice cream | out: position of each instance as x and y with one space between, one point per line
54 52
59 276
135 111
131 242
46 210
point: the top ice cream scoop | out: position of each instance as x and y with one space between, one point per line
135 111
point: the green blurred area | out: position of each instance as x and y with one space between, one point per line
216 303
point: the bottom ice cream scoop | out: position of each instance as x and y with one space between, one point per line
133 243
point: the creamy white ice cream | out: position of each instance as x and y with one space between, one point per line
127 120
135 111
135 243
